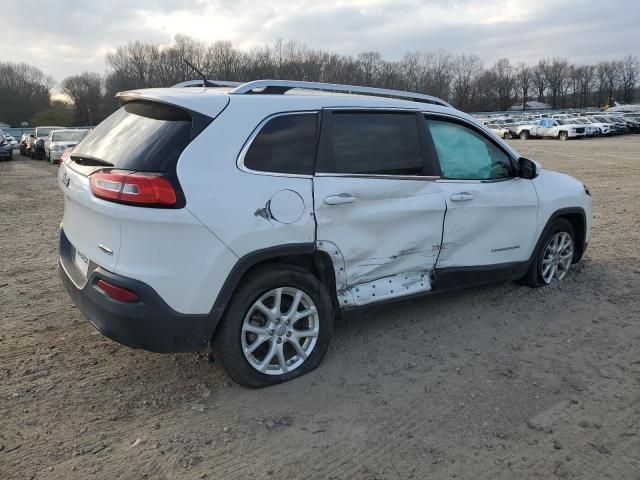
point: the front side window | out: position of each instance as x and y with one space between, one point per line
373 143
464 154
285 144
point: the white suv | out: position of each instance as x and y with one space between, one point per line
248 217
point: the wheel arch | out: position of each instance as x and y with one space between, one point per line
303 255
576 216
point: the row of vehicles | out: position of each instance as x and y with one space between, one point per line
566 126
50 142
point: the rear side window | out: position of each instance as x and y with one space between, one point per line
145 136
373 144
285 144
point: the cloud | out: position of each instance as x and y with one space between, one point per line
66 37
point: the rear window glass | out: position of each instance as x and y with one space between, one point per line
145 136
286 144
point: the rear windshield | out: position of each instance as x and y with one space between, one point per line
68 136
144 136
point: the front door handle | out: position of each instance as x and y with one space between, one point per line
340 199
461 197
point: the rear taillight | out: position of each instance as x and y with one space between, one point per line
143 189
65 155
119 294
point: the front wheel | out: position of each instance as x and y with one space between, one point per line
524 135
563 135
277 326
553 257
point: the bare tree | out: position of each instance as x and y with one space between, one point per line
24 91
524 77
505 81
629 69
85 90
555 72
539 79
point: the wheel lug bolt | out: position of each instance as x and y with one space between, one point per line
288 334
288 322
271 332
278 340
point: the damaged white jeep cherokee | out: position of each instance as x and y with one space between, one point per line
248 215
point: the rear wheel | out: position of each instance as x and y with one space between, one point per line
553 257
277 326
524 135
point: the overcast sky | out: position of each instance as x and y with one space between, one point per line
65 37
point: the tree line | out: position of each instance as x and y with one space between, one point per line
464 80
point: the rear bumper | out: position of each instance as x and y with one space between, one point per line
149 324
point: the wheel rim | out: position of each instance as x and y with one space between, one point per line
557 257
280 331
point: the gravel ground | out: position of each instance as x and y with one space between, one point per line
497 382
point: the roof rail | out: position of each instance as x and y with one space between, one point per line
282 86
211 83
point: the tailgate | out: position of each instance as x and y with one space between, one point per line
89 222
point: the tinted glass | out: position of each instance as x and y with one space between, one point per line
465 154
286 144
70 136
374 144
144 136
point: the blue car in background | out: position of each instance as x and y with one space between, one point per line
6 149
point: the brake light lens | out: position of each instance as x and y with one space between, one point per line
135 188
65 155
119 294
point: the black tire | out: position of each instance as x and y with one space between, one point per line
524 135
563 135
33 155
226 342
533 277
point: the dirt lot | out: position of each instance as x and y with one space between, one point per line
495 382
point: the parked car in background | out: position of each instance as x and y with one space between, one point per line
31 145
633 126
24 141
6 149
250 229
41 133
500 130
14 143
550 127
621 127
59 140
605 128
589 130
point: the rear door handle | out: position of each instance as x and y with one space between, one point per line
340 199
461 197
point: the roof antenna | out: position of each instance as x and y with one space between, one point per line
205 82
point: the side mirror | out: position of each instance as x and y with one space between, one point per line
527 168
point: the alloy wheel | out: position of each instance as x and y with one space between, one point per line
557 257
280 331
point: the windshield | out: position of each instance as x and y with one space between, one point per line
69 136
44 132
